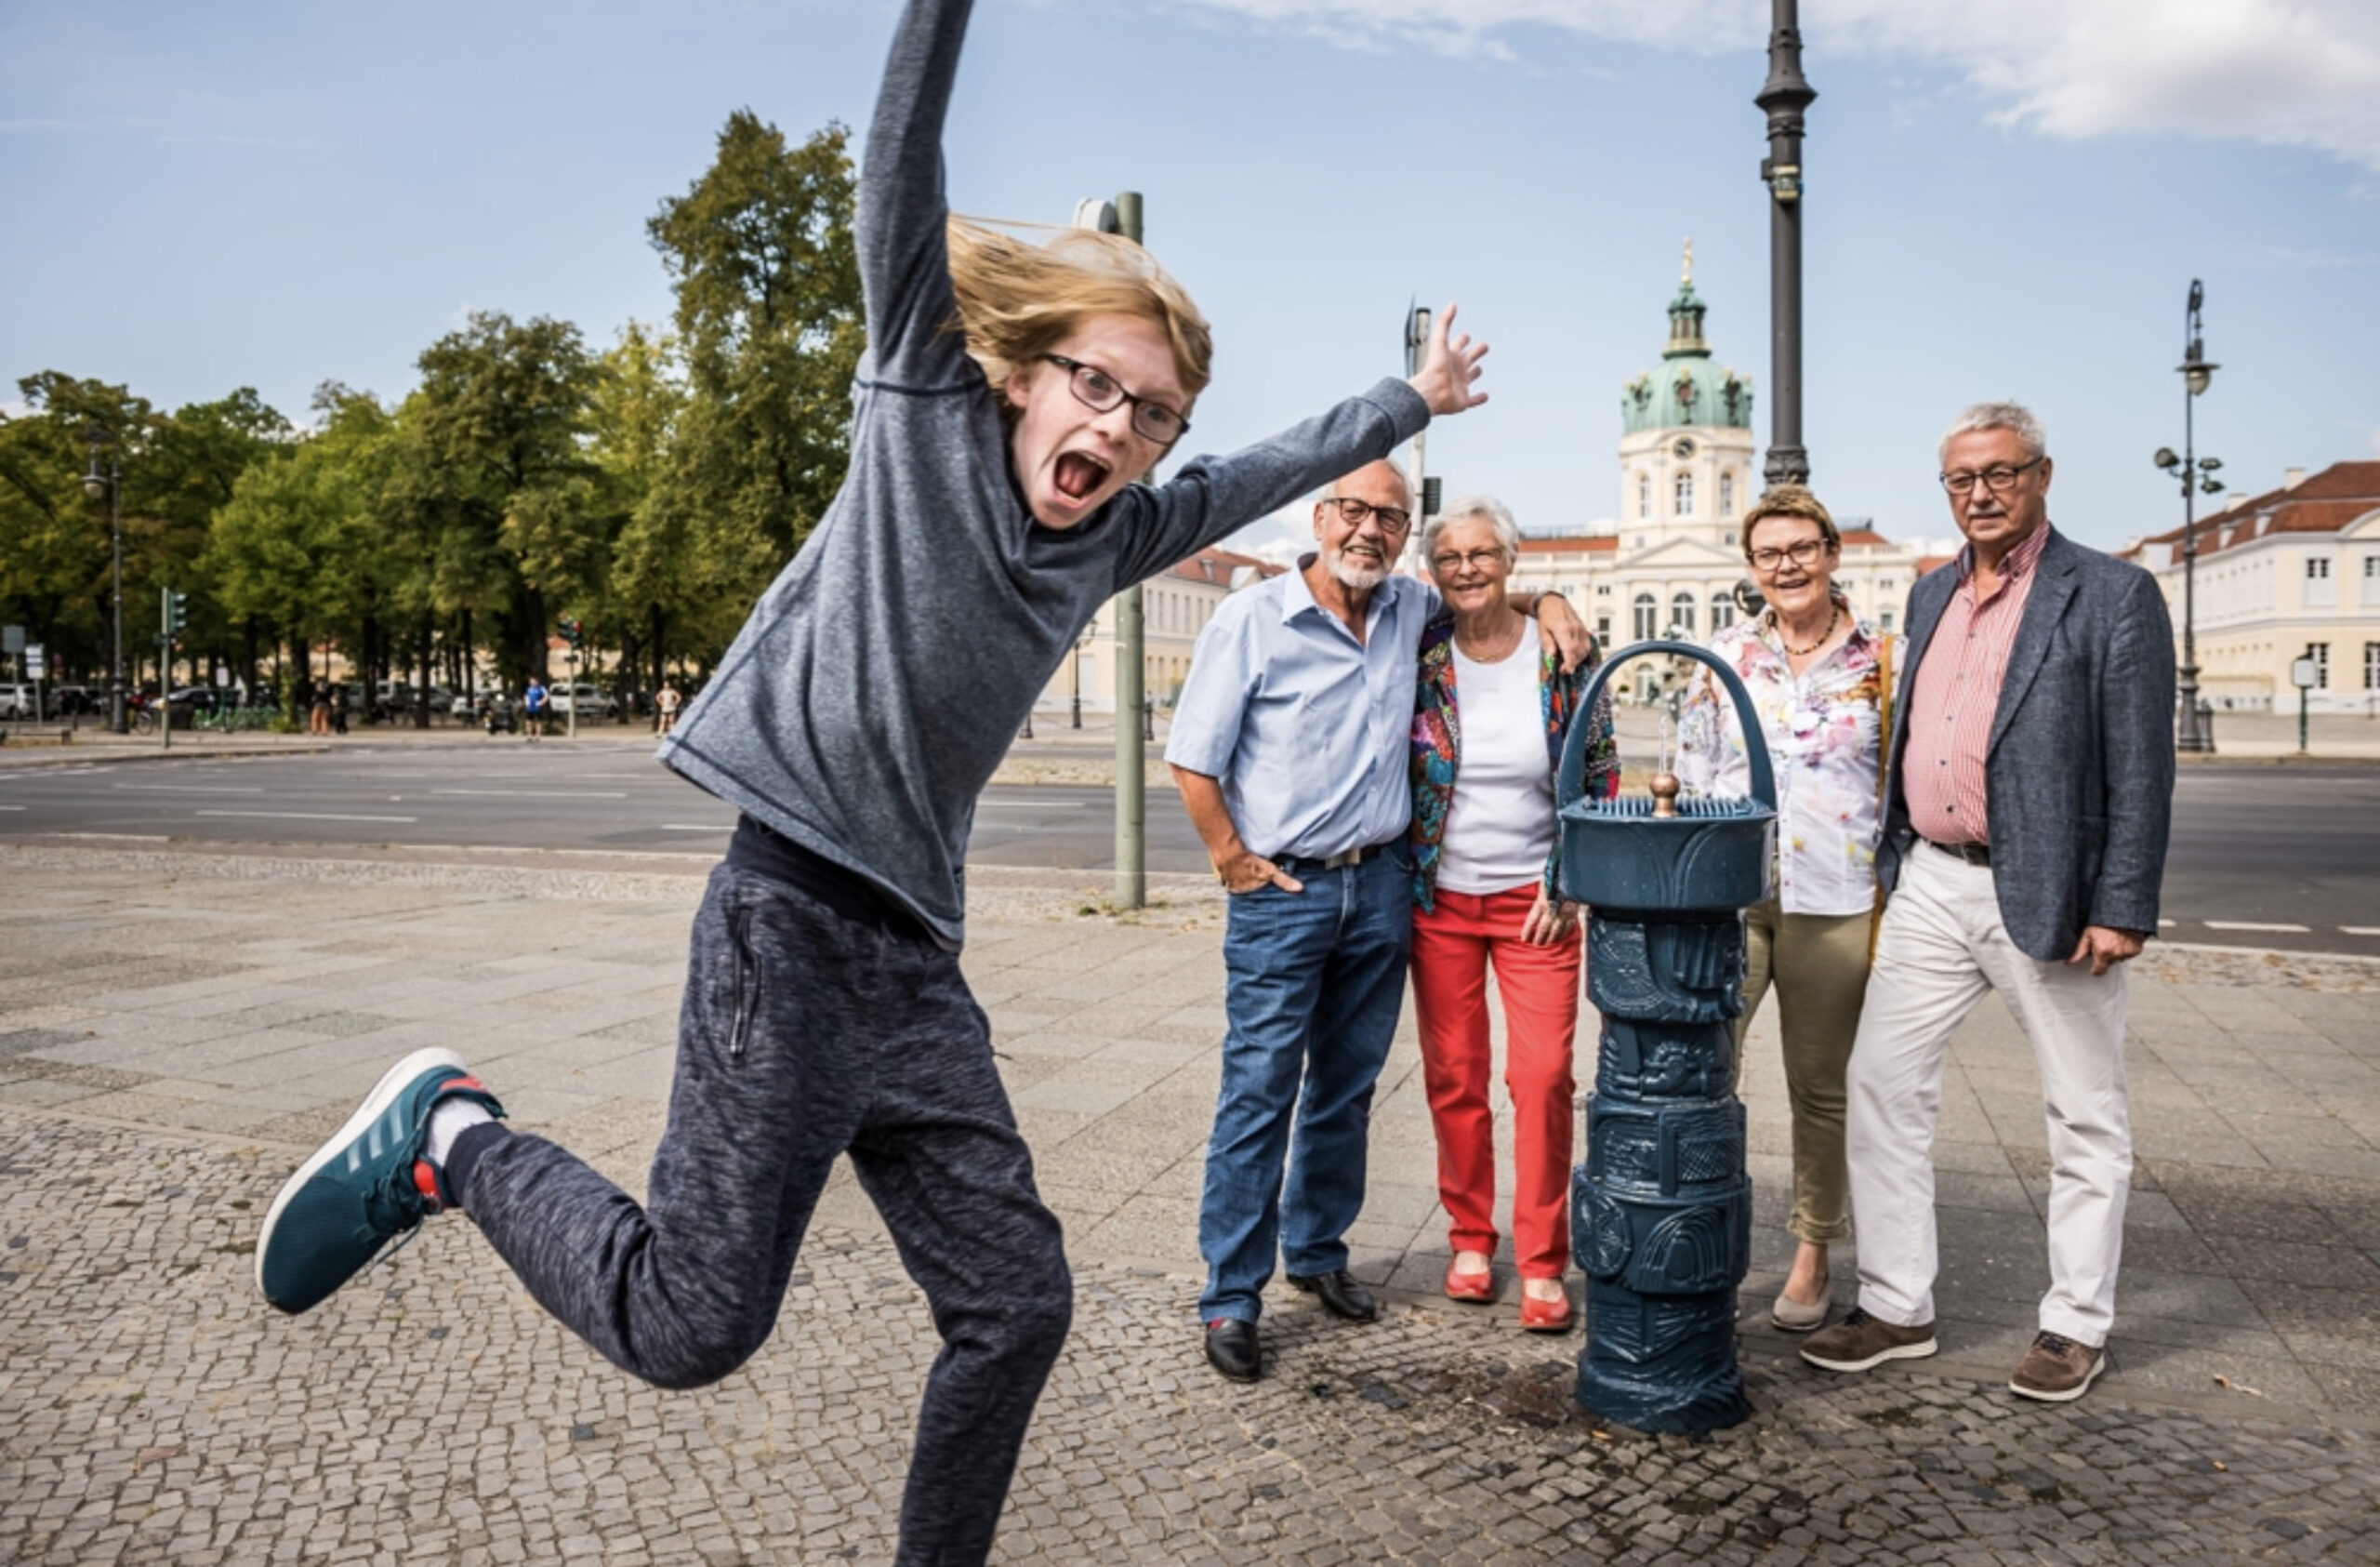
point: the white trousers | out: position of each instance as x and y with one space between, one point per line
1941 946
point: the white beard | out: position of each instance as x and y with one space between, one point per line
1361 578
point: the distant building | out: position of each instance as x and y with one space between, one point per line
1176 603
1672 563
2293 573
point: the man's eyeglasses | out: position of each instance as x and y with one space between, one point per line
1393 519
1804 552
1999 478
1098 391
1475 560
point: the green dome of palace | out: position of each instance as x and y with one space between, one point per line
1686 388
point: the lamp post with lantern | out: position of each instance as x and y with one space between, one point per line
111 484
2197 477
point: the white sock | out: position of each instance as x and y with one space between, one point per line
449 1118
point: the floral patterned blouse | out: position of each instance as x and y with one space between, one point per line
1824 742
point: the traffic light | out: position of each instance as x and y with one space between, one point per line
177 613
571 632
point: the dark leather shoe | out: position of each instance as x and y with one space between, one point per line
1342 1294
1232 1350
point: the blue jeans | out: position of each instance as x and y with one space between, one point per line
1315 982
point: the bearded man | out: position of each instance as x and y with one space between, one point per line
1289 748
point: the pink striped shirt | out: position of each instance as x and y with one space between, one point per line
1957 695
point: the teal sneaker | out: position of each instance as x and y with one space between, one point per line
366 1186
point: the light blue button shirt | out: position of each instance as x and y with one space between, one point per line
1306 728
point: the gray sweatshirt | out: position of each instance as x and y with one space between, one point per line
882 676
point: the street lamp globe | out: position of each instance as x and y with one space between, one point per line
94 486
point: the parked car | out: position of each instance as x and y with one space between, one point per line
69 701
18 702
591 701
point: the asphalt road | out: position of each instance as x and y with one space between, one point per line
2261 856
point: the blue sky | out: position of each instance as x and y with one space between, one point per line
2004 200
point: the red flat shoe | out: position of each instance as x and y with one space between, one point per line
1545 1316
1478 1288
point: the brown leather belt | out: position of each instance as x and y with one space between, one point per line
1974 854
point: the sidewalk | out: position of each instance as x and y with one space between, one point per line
176 1029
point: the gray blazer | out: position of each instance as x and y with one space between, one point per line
2080 775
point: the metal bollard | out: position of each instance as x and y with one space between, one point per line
1660 1207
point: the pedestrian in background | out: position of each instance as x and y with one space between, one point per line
664 707
532 708
1492 713
1818 675
2031 789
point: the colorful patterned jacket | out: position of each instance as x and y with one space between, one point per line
1437 746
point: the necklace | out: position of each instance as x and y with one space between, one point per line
1832 622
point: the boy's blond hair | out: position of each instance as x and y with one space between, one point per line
1018 302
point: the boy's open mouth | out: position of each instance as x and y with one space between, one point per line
1077 474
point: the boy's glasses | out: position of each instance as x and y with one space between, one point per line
1098 391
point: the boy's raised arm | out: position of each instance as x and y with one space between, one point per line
903 256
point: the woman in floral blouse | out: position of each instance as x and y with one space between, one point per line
1818 675
1484 893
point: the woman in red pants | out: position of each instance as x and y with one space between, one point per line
1488 731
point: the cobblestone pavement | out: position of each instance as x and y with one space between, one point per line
177 1028
150 1411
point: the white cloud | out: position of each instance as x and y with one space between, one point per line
2375 440
2291 72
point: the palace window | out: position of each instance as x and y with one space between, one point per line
2319 590
1644 496
1723 611
1682 614
2320 653
2370 581
1649 617
1685 495
1727 499
2371 666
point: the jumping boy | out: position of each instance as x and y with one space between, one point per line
988 512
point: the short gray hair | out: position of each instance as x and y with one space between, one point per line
2013 417
1474 508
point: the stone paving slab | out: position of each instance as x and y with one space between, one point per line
279 989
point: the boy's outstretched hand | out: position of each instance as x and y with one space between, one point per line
1446 376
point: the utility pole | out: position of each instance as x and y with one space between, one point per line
1784 96
1131 766
1417 349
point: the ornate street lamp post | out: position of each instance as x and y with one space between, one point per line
2197 476
112 484
1785 96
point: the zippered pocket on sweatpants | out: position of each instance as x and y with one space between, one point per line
747 994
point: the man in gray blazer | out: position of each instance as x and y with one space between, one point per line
2032 785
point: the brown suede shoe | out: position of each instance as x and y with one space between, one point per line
1860 1341
2056 1370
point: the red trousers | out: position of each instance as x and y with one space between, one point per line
1453 945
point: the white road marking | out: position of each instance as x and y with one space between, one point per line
541 794
2252 924
2359 930
304 816
697 827
184 789
11 807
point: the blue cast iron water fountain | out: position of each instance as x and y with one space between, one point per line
1661 1209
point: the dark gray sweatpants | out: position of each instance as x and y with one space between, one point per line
807 1032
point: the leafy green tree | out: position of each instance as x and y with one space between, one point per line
493 504
55 572
299 545
769 316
